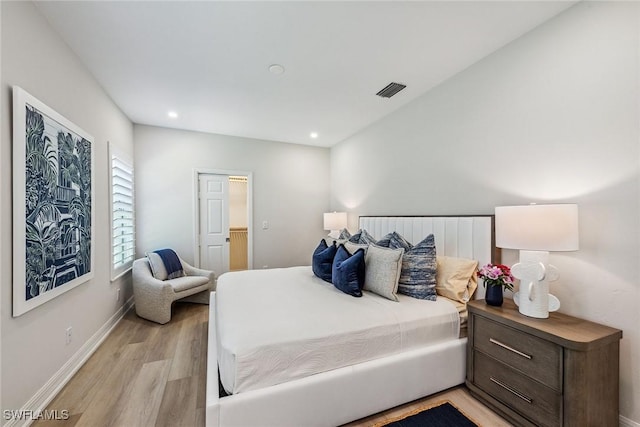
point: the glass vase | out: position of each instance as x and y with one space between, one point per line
493 296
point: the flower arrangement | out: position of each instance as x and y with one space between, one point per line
496 275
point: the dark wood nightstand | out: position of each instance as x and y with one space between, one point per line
560 371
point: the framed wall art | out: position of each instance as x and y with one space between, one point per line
53 209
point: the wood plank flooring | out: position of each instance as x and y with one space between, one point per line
145 374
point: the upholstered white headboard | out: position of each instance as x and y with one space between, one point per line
471 237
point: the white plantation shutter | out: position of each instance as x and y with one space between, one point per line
123 233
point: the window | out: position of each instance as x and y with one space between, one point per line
123 234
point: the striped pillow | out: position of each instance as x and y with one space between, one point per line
344 234
418 275
395 241
362 237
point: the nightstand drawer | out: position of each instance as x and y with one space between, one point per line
535 357
533 400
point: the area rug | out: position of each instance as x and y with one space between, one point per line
442 414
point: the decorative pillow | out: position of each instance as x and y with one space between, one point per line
331 241
362 237
342 238
418 276
456 278
348 271
395 241
344 234
353 247
165 264
382 271
322 260
157 266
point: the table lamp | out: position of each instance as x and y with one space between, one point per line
536 230
335 221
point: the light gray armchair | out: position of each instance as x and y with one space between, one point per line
154 298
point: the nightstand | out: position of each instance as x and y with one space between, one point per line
560 371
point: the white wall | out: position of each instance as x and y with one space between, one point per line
290 191
33 345
551 117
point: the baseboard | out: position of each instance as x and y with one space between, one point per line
37 404
626 422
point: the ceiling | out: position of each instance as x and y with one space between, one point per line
209 61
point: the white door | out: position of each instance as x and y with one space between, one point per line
214 222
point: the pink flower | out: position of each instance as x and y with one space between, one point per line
493 273
496 275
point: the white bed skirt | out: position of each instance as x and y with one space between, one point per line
338 396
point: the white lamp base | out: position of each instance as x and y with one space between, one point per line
535 273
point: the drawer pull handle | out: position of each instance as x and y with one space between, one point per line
509 389
519 353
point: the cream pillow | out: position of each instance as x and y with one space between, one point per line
382 271
353 247
158 270
456 278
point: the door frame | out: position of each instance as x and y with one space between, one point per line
196 210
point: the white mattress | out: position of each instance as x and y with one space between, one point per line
279 325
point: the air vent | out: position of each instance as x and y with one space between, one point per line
391 89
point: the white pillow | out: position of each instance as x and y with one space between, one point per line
342 239
382 271
158 269
353 247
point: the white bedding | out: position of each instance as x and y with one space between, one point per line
283 324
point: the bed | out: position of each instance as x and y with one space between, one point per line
277 381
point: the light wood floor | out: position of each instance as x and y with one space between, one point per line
145 374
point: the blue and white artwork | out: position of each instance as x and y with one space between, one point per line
55 196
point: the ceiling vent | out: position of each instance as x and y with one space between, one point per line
391 89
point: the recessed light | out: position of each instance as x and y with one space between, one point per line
313 135
172 114
276 69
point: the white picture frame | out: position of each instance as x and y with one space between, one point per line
53 203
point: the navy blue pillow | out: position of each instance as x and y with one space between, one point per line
322 260
348 271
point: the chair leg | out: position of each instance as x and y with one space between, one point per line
160 313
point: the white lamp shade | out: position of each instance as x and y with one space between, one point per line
335 220
537 227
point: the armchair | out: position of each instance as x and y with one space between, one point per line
154 298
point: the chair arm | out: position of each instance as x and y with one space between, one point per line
190 270
142 278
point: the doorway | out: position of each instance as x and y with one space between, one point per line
223 223
238 230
